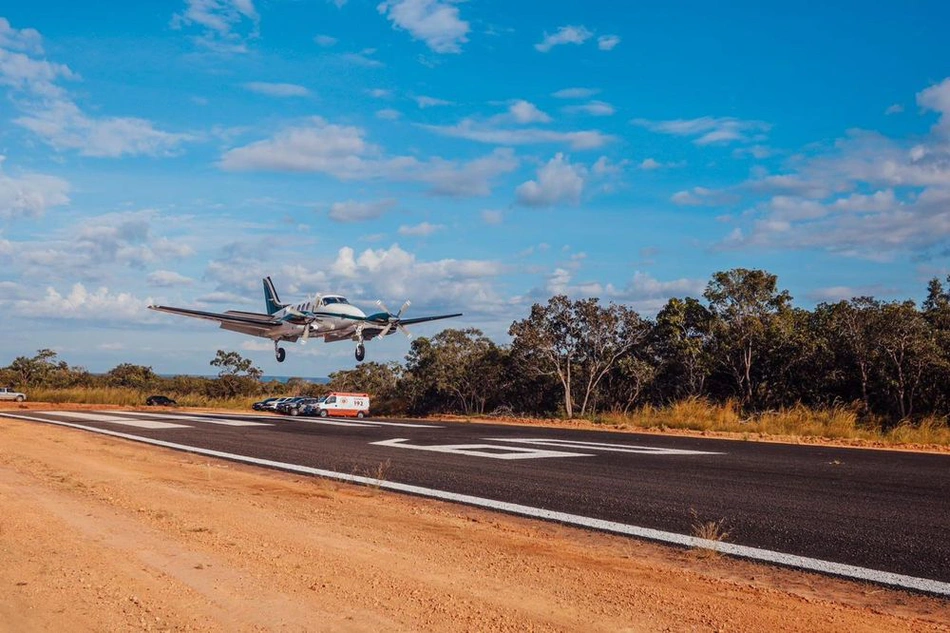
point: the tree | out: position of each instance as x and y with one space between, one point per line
380 381
909 351
237 375
681 341
131 376
744 304
576 341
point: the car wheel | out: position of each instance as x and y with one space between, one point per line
294 411
359 414
20 398
323 413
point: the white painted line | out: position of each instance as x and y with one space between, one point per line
329 421
114 419
192 418
481 450
754 553
402 424
598 446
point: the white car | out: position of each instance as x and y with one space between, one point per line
6 393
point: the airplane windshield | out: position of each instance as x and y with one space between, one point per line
329 300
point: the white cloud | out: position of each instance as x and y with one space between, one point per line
342 151
363 58
380 93
525 112
30 195
167 279
557 182
895 108
492 216
709 130
353 211
486 133
277 89
575 93
593 108
326 41
223 23
607 42
564 35
388 114
937 98
28 40
430 102
80 304
64 126
435 22
423 229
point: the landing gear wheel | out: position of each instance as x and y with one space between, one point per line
360 352
281 354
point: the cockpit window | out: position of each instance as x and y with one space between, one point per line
329 300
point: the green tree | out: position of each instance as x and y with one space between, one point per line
237 375
745 304
131 376
681 341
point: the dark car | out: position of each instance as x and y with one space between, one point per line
160 401
293 405
266 403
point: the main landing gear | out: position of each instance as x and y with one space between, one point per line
360 352
279 352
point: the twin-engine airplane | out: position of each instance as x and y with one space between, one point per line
330 317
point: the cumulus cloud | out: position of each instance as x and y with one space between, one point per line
557 182
937 99
575 93
80 304
435 22
225 25
353 211
492 216
423 229
430 102
564 35
489 133
343 152
30 195
167 279
51 114
593 108
607 42
276 89
708 130
522 111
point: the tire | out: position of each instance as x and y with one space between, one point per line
294 411
323 413
20 398
281 354
359 414
360 353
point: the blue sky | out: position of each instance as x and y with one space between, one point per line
471 156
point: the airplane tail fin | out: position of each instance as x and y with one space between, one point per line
271 300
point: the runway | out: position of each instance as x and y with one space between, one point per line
866 514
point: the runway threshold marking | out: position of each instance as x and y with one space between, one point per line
599 446
115 419
742 551
481 450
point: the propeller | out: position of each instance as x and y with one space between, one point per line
393 320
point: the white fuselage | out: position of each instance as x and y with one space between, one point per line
330 312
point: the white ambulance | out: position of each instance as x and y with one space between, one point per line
339 403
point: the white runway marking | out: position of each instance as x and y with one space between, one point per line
407 425
482 450
115 419
598 446
754 553
193 418
330 421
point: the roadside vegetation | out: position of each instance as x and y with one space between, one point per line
742 359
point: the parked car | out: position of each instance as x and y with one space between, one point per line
293 405
160 401
341 404
264 404
7 393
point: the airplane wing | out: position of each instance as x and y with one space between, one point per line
252 323
428 318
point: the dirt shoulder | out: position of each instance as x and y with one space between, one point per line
101 534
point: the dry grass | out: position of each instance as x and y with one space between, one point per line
838 423
133 397
709 531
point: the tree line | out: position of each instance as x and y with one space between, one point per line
743 342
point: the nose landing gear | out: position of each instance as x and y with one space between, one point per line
360 352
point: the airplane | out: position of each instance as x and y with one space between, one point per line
330 317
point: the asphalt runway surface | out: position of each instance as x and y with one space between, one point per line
877 511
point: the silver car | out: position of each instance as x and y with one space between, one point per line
6 393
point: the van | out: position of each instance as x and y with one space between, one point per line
338 403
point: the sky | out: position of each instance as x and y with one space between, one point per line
474 157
